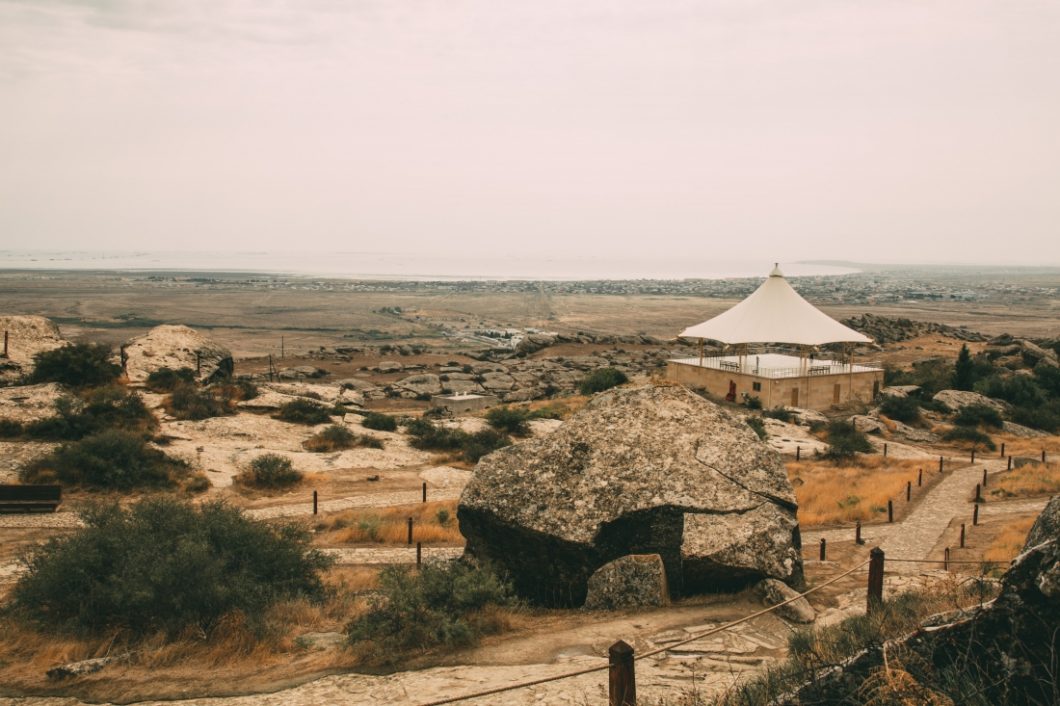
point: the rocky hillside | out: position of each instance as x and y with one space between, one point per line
886 329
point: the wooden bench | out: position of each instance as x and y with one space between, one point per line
726 365
30 498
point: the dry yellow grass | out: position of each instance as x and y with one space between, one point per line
390 525
1027 481
830 494
1030 448
1009 541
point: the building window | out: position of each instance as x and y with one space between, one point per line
756 386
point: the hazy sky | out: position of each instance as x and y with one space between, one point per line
885 130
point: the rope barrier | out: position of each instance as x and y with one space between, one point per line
603 667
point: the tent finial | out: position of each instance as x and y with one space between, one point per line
776 270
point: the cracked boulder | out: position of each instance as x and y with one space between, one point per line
646 470
176 347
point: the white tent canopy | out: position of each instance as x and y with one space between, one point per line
775 313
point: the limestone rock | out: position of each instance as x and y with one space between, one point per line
26 337
774 592
806 417
867 425
631 581
1021 431
29 403
176 347
302 372
425 384
1035 354
958 399
644 470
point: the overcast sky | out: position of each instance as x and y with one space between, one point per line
889 130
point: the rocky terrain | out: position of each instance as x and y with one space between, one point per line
25 337
646 470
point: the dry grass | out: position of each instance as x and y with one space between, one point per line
1029 448
1029 481
830 494
235 654
390 525
1009 540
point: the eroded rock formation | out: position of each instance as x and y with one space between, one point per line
26 337
646 470
175 347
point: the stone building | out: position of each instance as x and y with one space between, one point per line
772 351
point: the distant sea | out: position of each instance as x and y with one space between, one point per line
375 265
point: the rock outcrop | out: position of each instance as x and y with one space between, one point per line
175 347
26 337
959 399
775 592
632 581
646 470
887 329
25 404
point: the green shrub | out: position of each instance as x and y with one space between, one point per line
197 483
439 605
379 422
167 379
931 375
483 442
76 365
845 442
333 438
902 409
304 412
752 402
429 437
10 429
165 565
602 379
758 426
509 419
784 415
369 442
1019 390
95 410
1046 418
979 414
970 435
191 402
110 459
270 471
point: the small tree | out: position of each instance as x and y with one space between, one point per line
964 370
845 442
270 471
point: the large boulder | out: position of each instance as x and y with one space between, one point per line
958 399
175 347
26 337
646 470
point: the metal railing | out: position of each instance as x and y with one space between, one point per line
813 368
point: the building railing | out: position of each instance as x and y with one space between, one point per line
813 368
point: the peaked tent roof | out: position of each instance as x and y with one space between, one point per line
775 313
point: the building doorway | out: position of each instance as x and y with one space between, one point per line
794 397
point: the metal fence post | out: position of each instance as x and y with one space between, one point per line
621 680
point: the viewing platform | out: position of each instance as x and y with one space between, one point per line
779 365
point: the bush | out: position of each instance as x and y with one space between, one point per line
970 436
379 422
931 375
304 412
845 442
902 409
510 419
76 365
1019 390
337 437
96 410
439 605
477 445
426 436
979 414
758 426
190 402
165 565
270 471
602 379
784 415
752 402
110 459
197 483
1044 418
10 429
168 379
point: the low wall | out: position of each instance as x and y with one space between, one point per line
809 392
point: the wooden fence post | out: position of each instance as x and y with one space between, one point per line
940 464
908 490
975 515
5 344
621 680
410 530
1009 463
798 452
890 510
962 535
419 554
978 492
1002 449
946 559
857 533
973 455
984 477
824 551
885 449
314 502
875 597
919 477
424 491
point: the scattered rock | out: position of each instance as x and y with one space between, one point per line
774 592
175 347
1021 431
631 581
320 640
958 399
301 372
646 470
867 425
426 384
